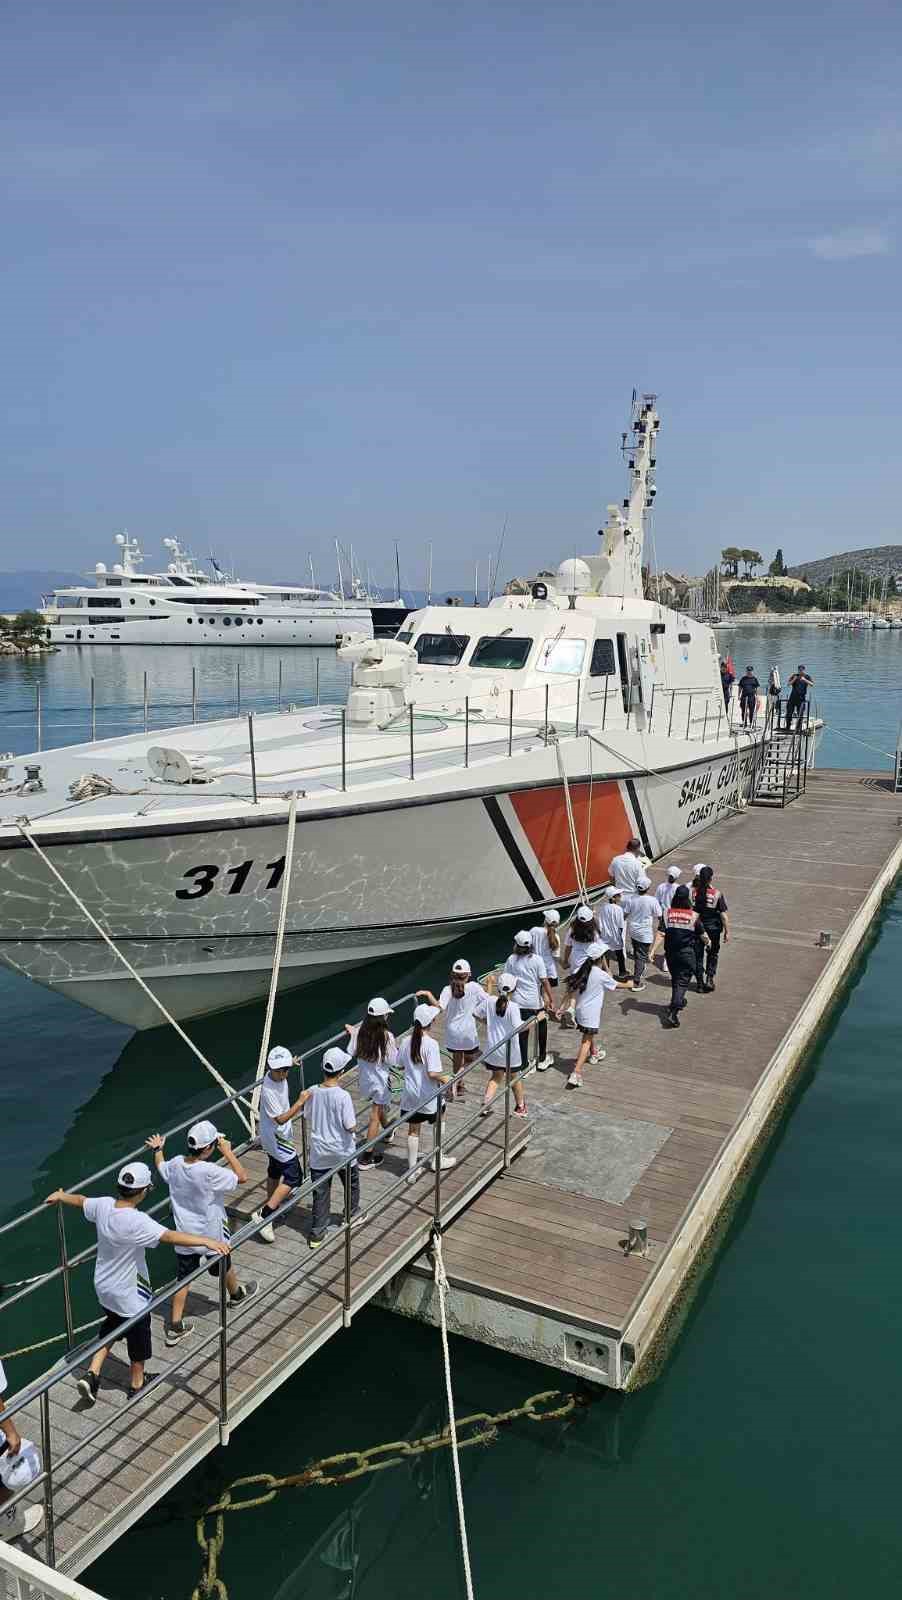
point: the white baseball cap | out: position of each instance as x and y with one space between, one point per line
643 883
507 983
335 1060
585 914
461 969
425 1015
279 1059
698 867
595 949
552 917
379 1007
523 938
674 872
135 1176
611 891
202 1134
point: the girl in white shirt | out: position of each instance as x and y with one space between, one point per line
503 1018
582 931
612 927
421 1059
533 992
588 985
460 1000
376 1049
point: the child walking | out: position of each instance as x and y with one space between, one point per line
421 1059
588 985
376 1049
329 1110
503 1018
546 944
277 1137
460 1000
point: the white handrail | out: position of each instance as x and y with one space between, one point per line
31 1577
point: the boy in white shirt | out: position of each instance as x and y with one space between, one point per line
197 1190
642 916
329 1110
277 1137
121 1283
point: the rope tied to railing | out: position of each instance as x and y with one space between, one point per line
442 1286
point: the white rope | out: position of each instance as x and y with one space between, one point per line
441 1284
227 1087
277 959
55 1338
571 824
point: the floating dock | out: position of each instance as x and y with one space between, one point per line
535 1246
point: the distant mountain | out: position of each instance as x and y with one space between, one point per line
21 591
883 561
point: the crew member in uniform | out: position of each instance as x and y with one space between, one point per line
712 913
682 930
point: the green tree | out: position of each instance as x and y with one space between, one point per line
27 628
777 568
752 559
731 558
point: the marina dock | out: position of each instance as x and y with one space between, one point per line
658 1142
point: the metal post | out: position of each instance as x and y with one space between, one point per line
344 753
437 1158
578 687
38 714
250 736
651 709
305 1163
604 711
670 723
238 688
510 726
47 1463
689 717
507 1102
466 730
705 726
316 678
193 694
93 709
145 702
67 1292
547 686
223 1355
410 720
719 717
280 684
346 1308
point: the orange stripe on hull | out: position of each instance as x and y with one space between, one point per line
542 814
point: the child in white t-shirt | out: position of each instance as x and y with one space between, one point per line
376 1049
461 1000
588 985
503 1018
421 1059
20 1464
329 1111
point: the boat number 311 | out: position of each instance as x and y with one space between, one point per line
204 878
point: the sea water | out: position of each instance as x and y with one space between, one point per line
763 1459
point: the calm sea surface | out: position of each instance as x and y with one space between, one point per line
764 1459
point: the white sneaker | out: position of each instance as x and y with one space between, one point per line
19 1520
575 1080
545 1063
596 1057
268 1233
413 1175
443 1161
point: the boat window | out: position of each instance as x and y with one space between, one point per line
259 622
405 637
602 663
562 655
104 600
684 638
227 622
441 649
501 651
239 622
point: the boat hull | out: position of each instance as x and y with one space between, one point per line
194 906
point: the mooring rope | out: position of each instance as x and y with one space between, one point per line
42 1344
277 959
25 830
441 1284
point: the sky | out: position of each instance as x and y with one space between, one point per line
280 273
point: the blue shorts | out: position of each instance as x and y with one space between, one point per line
285 1172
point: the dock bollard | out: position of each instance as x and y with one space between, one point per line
825 939
637 1243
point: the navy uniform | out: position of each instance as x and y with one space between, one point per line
683 932
710 917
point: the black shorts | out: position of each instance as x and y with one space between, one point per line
137 1339
416 1117
185 1265
285 1172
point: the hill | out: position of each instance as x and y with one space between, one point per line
882 561
20 591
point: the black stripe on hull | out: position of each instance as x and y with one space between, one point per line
518 860
640 820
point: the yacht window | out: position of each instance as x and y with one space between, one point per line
441 649
405 637
227 622
562 655
131 602
259 622
684 638
501 651
239 622
602 663
190 619
104 600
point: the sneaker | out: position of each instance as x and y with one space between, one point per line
268 1233
133 1392
88 1386
443 1162
20 1520
575 1080
596 1057
709 988
176 1331
315 1244
567 1020
638 987
390 1136
413 1176
671 1020
368 1160
486 1108
245 1291
521 1111
545 1063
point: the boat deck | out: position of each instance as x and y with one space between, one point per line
664 1125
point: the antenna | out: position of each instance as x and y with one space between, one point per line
341 586
497 561
398 570
429 574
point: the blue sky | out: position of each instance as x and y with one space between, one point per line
280 273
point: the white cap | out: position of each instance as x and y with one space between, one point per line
595 949
643 884
202 1134
507 983
425 1015
585 914
279 1059
523 938
461 969
698 867
135 1176
335 1060
378 1007
674 872
611 891
552 917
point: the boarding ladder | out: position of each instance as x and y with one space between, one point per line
781 771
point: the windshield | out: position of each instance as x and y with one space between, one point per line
441 649
562 655
502 652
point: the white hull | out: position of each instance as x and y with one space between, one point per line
320 626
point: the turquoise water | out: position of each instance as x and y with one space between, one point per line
762 1461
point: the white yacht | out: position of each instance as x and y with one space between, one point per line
487 763
183 605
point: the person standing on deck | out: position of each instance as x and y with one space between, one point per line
532 994
664 895
460 1000
588 986
773 693
583 930
626 869
421 1059
18 1461
121 1283
642 914
329 1110
198 1186
546 944
726 683
502 1015
799 684
611 922
712 914
376 1049
277 1137
682 931
748 697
